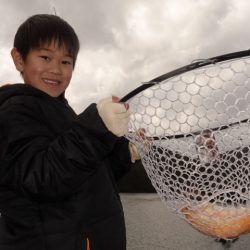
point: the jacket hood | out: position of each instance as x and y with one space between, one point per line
21 89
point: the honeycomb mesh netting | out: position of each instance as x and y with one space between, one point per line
195 145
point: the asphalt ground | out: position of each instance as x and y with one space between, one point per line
151 226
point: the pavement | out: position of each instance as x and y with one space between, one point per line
151 226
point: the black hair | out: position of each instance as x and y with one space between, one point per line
45 28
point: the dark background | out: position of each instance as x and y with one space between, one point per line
136 181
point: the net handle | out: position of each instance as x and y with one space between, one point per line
195 65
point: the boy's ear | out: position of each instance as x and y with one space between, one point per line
17 59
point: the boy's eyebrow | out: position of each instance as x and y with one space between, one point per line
50 50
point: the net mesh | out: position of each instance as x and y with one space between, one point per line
193 135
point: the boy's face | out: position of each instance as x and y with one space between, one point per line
48 68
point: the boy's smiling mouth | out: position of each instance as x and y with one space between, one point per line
51 82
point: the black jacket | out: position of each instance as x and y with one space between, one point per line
57 175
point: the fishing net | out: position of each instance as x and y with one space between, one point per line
192 130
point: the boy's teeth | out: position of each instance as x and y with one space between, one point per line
51 82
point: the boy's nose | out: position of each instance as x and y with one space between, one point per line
55 68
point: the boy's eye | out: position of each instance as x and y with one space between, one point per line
69 62
46 58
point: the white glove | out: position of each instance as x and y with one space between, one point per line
114 115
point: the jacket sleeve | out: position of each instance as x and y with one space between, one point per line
120 158
35 162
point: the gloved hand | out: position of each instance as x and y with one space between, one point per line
115 115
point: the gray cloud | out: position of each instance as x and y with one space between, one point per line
126 42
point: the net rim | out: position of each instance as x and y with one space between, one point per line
195 65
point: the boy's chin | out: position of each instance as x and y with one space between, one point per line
51 92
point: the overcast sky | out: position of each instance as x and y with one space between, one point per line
124 43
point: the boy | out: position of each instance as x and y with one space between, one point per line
58 169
